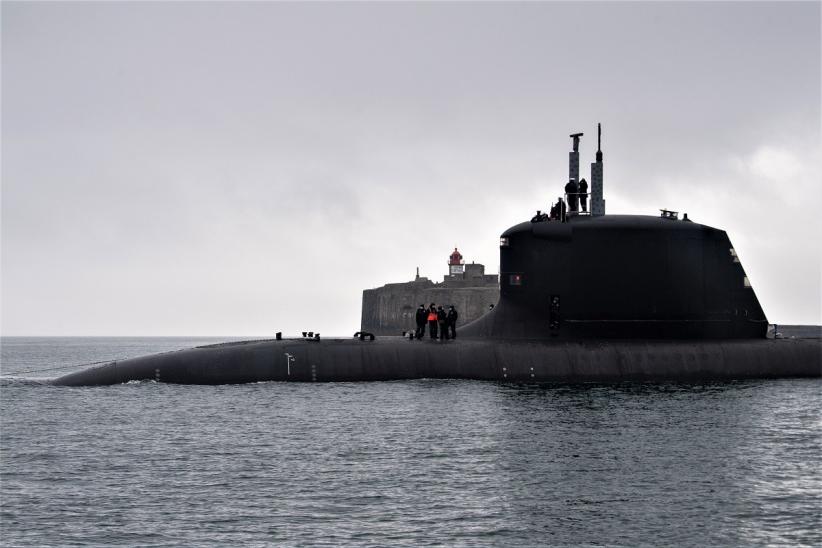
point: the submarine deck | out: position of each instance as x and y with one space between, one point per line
397 358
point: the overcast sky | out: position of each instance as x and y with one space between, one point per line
241 169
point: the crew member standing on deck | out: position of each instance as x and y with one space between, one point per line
451 322
571 189
583 194
432 321
441 323
422 317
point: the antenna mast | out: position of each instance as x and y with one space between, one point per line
597 199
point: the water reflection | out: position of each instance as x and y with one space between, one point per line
637 457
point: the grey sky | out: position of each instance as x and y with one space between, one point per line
224 168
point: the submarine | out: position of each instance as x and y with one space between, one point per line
584 297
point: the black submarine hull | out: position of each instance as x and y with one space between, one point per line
397 358
592 299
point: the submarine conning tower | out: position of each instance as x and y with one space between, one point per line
587 275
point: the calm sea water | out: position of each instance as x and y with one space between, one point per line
400 463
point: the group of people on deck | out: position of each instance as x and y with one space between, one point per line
577 198
442 325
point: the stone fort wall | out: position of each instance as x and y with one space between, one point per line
391 309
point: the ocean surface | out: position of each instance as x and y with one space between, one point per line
411 463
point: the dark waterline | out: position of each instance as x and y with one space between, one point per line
409 463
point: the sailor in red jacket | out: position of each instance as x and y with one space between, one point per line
432 320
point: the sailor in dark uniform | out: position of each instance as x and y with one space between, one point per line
451 322
583 194
571 189
421 318
441 322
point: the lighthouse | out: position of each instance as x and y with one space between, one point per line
456 266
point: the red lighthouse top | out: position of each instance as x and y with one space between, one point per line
456 258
